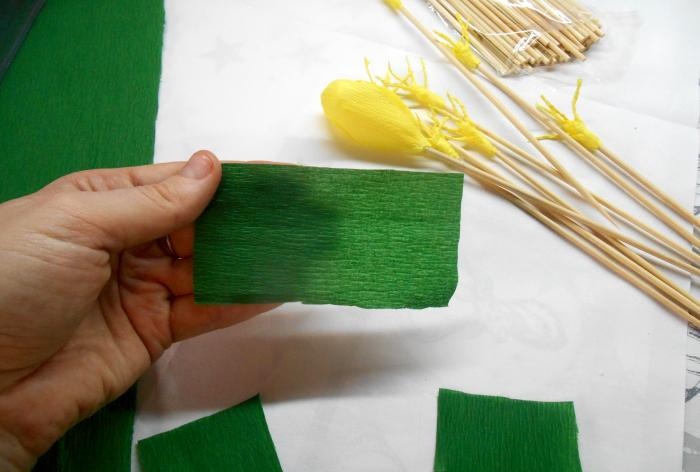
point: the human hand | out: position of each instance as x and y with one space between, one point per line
88 296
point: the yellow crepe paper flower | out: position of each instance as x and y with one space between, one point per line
370 116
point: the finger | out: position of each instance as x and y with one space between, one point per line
188 320
175 275
111 179
128 217
182 241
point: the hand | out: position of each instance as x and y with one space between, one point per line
88 296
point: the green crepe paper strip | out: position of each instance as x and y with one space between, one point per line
81 93
369 238
235 440
101 442
479 433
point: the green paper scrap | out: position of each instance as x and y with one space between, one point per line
81 93
100 442
235 440
369 238
479 433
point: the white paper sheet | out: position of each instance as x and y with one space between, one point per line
346 389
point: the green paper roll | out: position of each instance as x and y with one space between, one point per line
82 93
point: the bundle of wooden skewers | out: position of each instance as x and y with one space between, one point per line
516 36
375 114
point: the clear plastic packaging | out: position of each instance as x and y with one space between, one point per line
515 36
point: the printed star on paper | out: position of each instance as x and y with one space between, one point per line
224 54
307 55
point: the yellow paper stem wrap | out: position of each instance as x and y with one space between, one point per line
466 131
408 84
370 116
575 127
461 49
438 139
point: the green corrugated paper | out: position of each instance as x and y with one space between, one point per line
101 442
235 440
82 93
478 433
369 238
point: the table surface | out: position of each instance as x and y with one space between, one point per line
346 389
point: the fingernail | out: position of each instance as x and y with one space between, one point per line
198 167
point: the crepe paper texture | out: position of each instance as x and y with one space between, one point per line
16 17
101 442
81 93
235 440
494 434
369 238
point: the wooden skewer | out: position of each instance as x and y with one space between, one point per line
538 33
504 23
615 268
603 168
552 126
547 193
488 53
553 175
498 41
563 40
681 301
643 228
556 208
609 245
508 114
649 232
651 188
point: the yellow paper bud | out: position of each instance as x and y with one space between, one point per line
369 116
395 4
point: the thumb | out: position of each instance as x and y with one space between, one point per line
135 215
